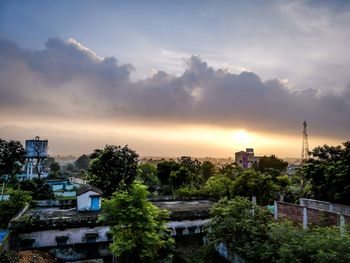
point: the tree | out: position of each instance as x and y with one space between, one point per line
148 174
55 167
251 183
207 170
38 189
70 167
12 158
138 227
83 162
319 245
114 168
48 162
329 173
181 177
243 227
270 162
230 169
9 208
219 186
192 165
164 170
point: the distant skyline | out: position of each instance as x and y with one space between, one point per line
170 78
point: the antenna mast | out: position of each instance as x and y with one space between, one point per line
305 148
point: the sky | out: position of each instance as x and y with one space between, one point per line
171 78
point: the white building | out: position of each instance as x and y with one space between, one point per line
89 198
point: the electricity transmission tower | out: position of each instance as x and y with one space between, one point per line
305 148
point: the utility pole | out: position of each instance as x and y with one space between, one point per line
305 147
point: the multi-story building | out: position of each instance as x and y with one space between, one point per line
246 159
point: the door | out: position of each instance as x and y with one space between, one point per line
95 201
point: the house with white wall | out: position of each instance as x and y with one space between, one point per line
88 198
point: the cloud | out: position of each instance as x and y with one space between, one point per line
67 80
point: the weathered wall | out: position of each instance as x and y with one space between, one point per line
187 226
327 206
290 211
47 238
313 216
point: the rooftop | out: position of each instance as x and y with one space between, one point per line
184 210
53 217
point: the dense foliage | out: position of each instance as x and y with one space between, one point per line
83 162
243 227
12 158
250 232
319 245
138 227
270 162
11 207
37 188
328 172
147 173
113 168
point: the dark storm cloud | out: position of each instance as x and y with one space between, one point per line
67 79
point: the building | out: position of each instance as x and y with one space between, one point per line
36 154
88 198
246 159
77 234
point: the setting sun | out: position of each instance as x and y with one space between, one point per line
241 137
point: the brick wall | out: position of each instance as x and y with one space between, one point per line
322 218
318 217
291 212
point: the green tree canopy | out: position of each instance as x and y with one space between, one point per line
192 165
230 169
83 162
329 173
9 208
12 158
37 188
319 245
207 169
164 170
148 174
55 167
114 168
138 227
270 162
243 227
252 183
219 186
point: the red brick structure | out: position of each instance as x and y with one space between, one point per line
309 216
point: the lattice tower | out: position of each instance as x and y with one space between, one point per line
305 148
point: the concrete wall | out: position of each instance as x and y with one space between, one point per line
327 206
47 238
84 201
186 225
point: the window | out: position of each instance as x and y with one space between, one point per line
192 230
109 236
179 231
91 237
27 243
61 240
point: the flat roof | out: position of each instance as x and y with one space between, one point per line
183 206
54 217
